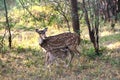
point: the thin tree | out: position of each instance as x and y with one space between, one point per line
92 20
62 11
7 24
109 9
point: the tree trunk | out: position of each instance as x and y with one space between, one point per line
93 28
118 5
8 26
75 18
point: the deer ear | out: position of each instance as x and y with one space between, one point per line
45 29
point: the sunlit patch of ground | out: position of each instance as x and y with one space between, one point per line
114 46
105 33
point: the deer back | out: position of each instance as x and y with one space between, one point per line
60 41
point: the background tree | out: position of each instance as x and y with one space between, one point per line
60 6
108 11
91 11
7 24
118 5
63 7
75 17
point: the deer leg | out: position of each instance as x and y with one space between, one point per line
76 51
51 58
71 57
46 59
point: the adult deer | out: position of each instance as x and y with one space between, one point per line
62 43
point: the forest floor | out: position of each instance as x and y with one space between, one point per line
25 61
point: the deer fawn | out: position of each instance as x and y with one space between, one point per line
55 53
59 45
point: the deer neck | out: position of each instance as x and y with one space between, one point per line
42 40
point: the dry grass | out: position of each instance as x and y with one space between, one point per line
25 61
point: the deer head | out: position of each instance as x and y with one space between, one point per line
42 34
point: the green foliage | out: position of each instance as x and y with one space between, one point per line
35 16
85 41
20 49
114 37
91 53
19 19
28 62
4 49
22 27
112 61
41 17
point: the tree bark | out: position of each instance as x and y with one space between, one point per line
118 6
93 28
8 26
75 18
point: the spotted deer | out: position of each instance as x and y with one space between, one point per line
58 45
56 53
